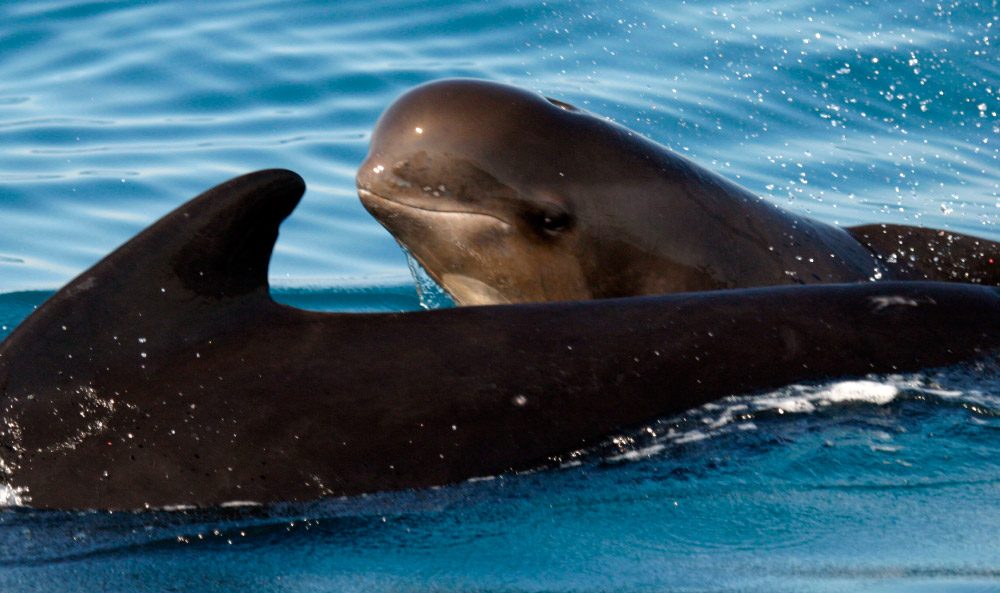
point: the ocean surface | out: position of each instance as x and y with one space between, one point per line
112 114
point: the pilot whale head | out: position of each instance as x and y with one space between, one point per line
490 187
505 196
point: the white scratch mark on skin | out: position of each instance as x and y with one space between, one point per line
883 302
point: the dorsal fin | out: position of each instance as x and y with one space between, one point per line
168 280
915 253
231 247
216 245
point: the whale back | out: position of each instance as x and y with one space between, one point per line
917 253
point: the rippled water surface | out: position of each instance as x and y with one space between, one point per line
112 114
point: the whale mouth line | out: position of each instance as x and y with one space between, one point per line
380 199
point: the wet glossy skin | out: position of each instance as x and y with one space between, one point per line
166 375
506 196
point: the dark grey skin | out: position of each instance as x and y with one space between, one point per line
505 196
166 375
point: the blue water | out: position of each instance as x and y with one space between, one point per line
113 114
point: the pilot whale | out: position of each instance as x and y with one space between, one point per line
505 196
166 375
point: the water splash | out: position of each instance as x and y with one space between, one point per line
11 496
431 295
743 412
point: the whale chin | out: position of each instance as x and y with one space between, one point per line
470 291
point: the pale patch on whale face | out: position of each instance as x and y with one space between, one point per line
470 291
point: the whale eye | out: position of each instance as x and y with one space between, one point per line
556 222
553 219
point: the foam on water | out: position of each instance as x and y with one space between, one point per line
741 412
801 398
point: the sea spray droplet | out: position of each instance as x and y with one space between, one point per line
430 294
